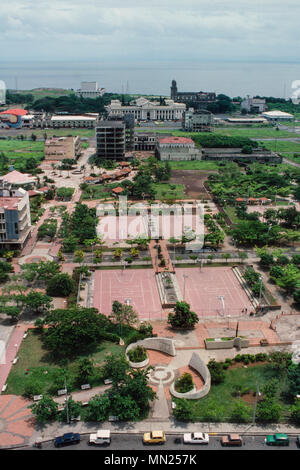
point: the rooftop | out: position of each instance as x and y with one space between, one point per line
175 140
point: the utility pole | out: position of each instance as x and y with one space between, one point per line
255 404
67 402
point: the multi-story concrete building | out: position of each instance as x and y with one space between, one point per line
111 140
90 90
15 222
87 120
145 110
177 148
198 121
195 99
145 141
254 105
60 148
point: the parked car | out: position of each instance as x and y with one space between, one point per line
67 439
100 438
154 437
196 438
278 439
232 440
298 441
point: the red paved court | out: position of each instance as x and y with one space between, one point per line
204 286
138 285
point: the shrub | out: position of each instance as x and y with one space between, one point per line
184 383
137 354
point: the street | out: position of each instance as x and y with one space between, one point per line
133 442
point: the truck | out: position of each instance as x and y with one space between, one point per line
100 438
232 440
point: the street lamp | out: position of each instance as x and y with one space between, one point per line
185 276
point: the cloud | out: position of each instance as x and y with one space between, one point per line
65 29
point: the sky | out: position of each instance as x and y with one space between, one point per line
181 30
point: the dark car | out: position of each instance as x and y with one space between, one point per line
67 439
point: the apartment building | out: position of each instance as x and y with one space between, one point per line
15 221
60 148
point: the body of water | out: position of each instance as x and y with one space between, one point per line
230 78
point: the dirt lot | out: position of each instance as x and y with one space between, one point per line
193 181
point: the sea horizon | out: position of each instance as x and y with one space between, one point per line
232 78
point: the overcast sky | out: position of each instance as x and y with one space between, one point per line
150 30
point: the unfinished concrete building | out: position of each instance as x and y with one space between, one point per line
111 140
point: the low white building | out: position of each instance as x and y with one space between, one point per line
90 90
278 116
68 120
177 148
145 110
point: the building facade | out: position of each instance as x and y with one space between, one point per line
198 121
146 141
90 90
88 120
145 110
177 148
195 99
111 140
254 105
60 148
15 222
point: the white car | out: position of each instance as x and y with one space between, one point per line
101 438
196 438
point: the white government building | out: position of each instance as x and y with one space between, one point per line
146 110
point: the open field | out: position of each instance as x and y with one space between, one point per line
251 132
192 180
17 151
39 93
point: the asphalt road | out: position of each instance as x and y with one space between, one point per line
133 442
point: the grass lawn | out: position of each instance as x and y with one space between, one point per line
219 403
65 132
251 132
230 211
169 191
194 165
19 150
32 356
39 93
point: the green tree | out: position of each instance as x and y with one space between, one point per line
98 408
182 317
60 285
45 410
74 330
37 302
183 410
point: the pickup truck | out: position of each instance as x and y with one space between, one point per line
66 439
232 440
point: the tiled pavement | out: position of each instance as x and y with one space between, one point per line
16 425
